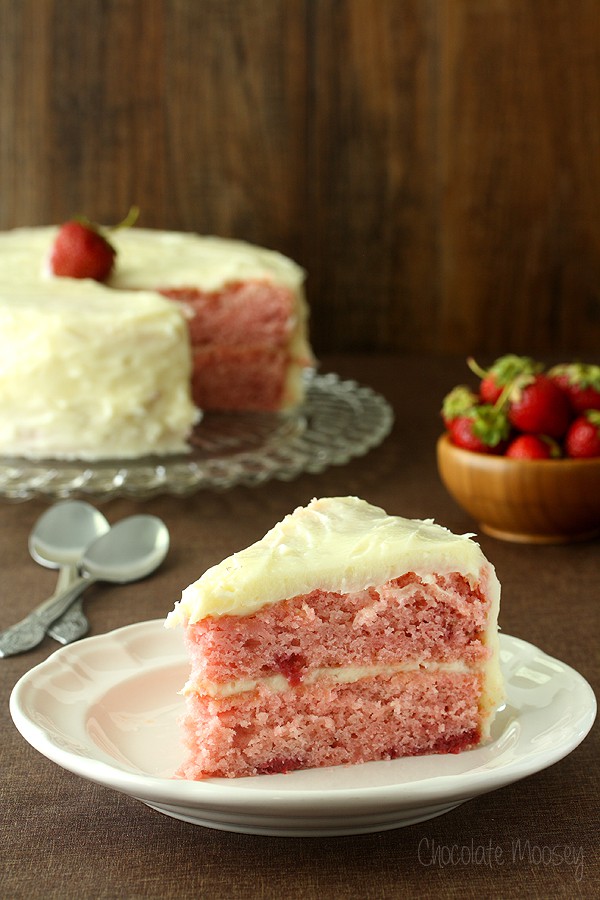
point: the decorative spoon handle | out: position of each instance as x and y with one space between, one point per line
71 626
31 630
73 623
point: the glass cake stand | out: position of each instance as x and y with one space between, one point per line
339 420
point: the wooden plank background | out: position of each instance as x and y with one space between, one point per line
434 164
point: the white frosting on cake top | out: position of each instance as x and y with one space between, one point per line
148 259
339 544
157 259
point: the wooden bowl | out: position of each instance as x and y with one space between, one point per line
546 501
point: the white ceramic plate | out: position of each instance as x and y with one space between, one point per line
106 709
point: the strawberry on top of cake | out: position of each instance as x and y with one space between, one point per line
344 635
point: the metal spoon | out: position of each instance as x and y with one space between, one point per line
58 541
132 549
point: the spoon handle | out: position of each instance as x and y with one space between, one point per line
30 631
73 623
71 626
67 575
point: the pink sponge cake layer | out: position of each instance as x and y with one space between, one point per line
238 313
330 724
238 378
345 635
405 619
245 345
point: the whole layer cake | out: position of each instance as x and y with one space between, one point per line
345 635
95 369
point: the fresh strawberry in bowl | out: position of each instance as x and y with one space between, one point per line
502 374
520 459
532 446
457 402
583 437
482 428
536 405
580 382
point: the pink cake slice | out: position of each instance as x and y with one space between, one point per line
345 635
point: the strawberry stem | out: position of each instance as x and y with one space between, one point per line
129 220
476 368
505 395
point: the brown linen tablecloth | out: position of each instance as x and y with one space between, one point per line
68 838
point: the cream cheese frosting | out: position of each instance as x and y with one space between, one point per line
149 258
84 375
336 544
338 675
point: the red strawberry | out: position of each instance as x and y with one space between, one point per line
457 402
580 382
482 429
532 446
583 437
538 406
80 251
502 373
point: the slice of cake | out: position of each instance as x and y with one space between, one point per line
344 635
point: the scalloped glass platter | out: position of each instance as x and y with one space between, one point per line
340 420
106 708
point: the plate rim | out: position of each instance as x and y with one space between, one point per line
222 795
